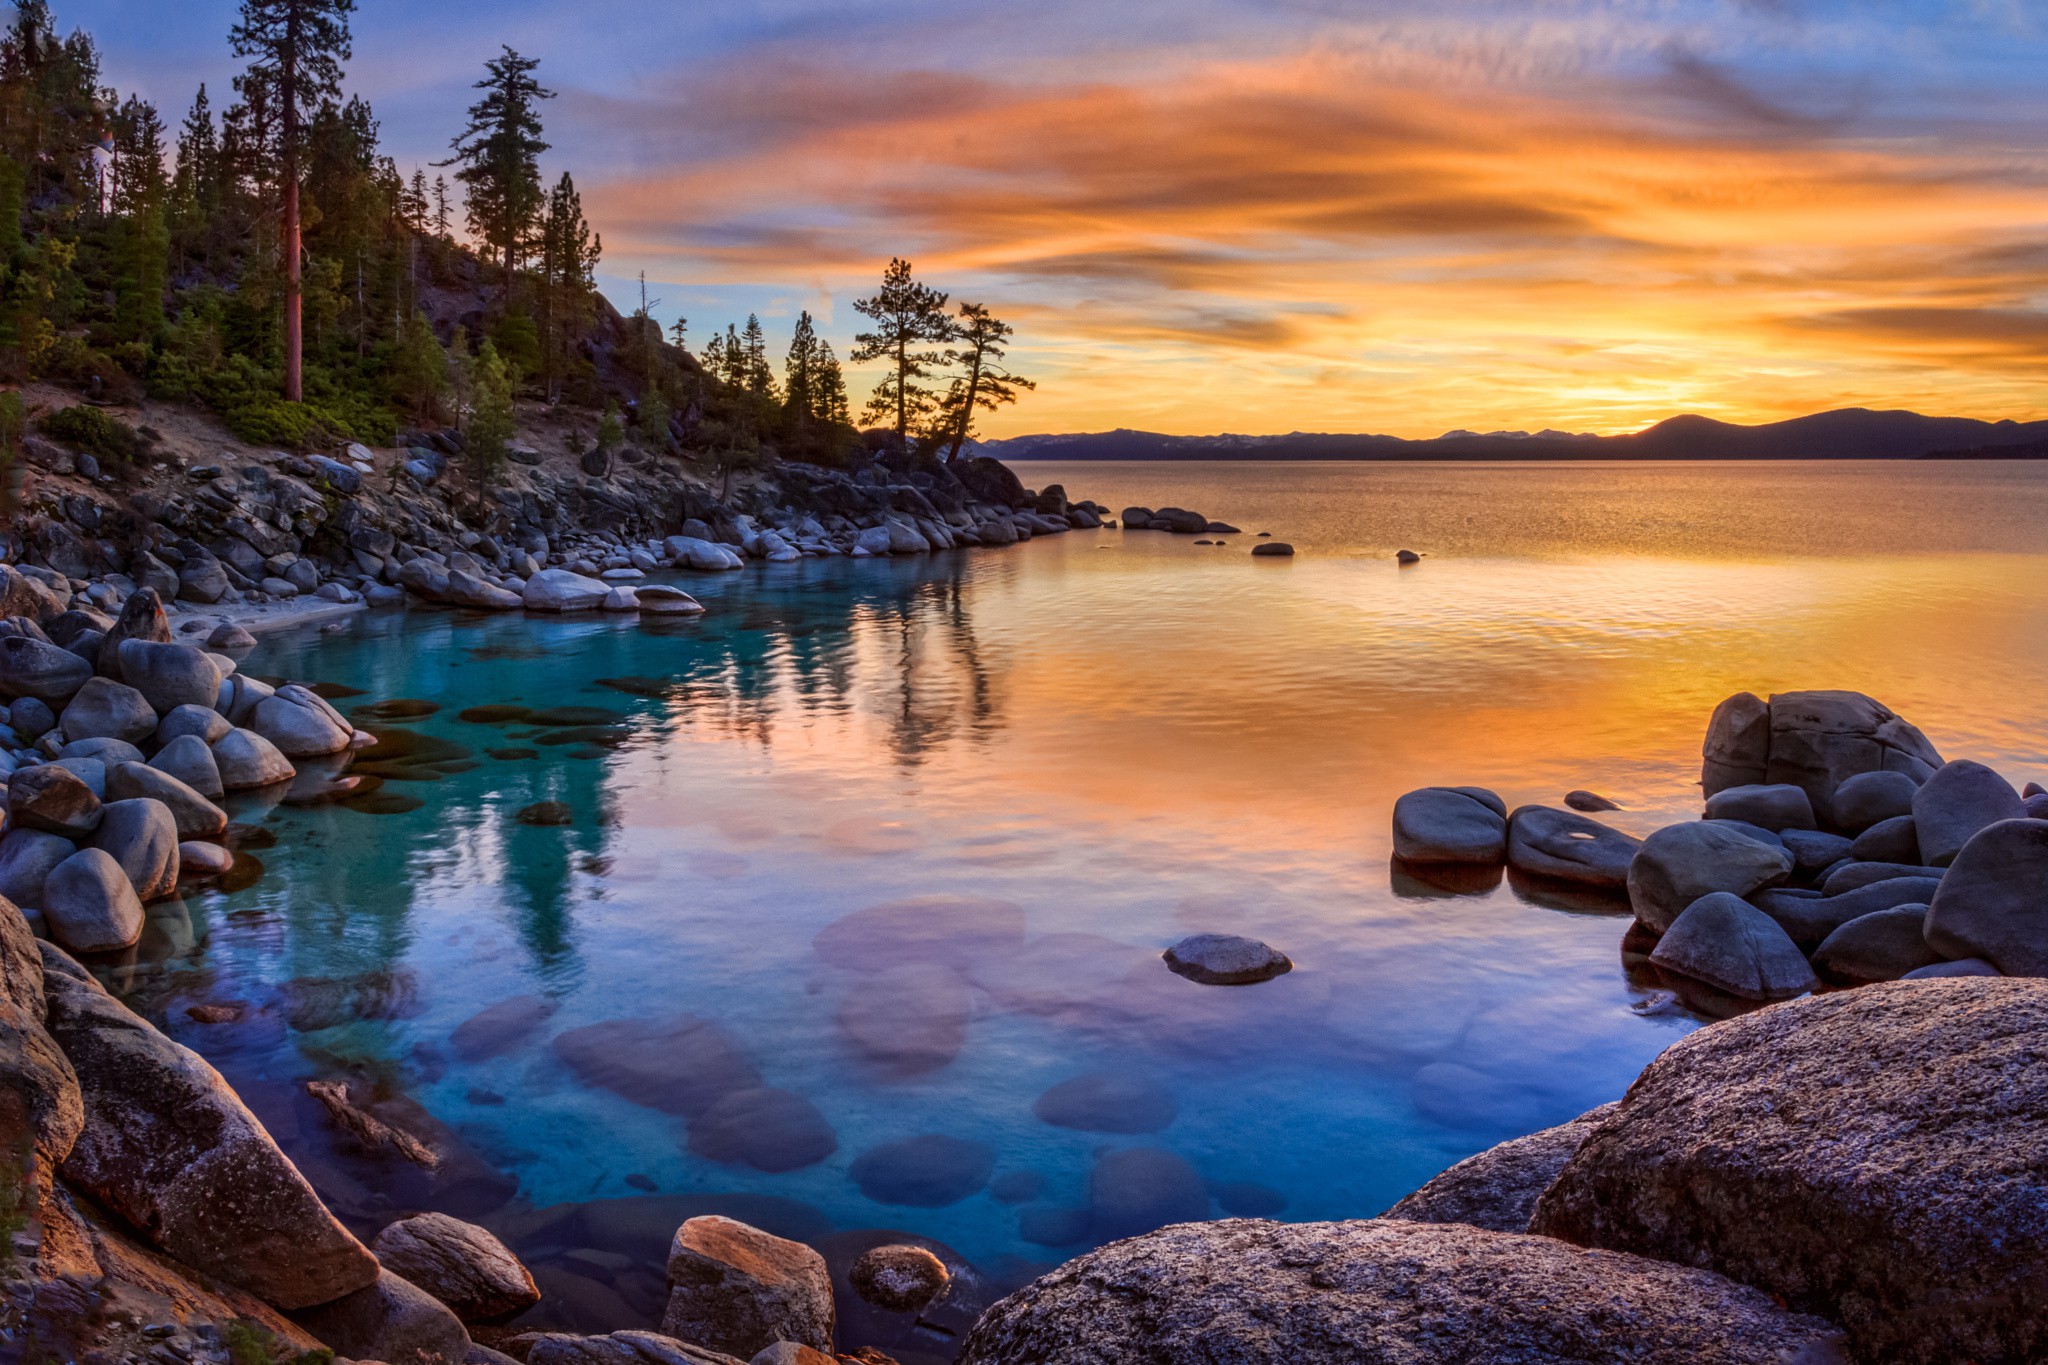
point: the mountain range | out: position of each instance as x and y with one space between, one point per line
1845 434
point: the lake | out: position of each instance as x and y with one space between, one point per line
855 923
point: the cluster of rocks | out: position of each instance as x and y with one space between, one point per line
1848 1176
1837 846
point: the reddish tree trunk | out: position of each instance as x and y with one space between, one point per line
294 293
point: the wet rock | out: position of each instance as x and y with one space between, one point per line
188 761
194 816
1142 1188
1273 549
1993 904
1450 825
1882 946
1568 847
1873 1155
247 760
39 669
199 860
658 599
1258 1293
1870 798
1819 740
735 1288
1957 801
1107 1102
1681 863
561 590
501 1028
1729 944
169 1147
765 1128
170 676
27 857
203 722
1774 808
545 814
1498 1188
1896 840
680 1065
911 1018
52 799
1590 802
927 1172
300 724
391 1320
899 1279
459 1263
141 835
621 1348
1225 960
1809 919
107 709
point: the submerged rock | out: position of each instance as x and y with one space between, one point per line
1498 1188
680 1064
1226 960
1107 1102
927 1172
911 1018
1258 1293
735 1288
1138 1189
771 1130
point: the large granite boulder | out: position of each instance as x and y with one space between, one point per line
142 618
1569 847
1775 808
300 723
52 799
41 1110
1957 801
1872 1155
170 675
691 552
1497 1189
1819 740
1871 798
194 816
1993 904
737 1289
1725 942
104 709
90 905
1881 946
1810 918
1681 863
247 760
561 590
1383 1292
27 857
141 835
1737 752
39 669
459 1263
169 1147
1450 825
390 1320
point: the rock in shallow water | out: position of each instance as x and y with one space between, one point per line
459 1263
899 1279
735 1288
1257 1293
1141 1188
1729 944
911 1018
1226 960
1450 825
1681 863
1107 1102
90 905
1871 1154
1568 847
680 1064
771 1130
927 1172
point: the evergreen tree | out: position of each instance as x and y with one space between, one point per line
737 365
296 48
197 190
677 331
499 155
413 207
985 383
799 371
444 225
492 421
569 256
419 370
140 205
829 385
758 378
909 318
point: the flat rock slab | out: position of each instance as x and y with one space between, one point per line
1450 825
1873 1155
1566 846
1382 1292
1226 960
1497 1189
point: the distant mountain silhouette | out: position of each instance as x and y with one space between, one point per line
1847 434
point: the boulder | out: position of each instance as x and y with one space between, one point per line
169 1147
1813 850
1881 946
910 1018
1873 1155
769 1129
247 760
1380 1290
27 857
390 1320
52 799
239 697
898 1279
1226 960
142 618
1775 808
1681 863
1819 740
737 1289
106 709
620 599
1896 840
1854 876
141 835
108 750
1737 752
622 1348
201 579
30 718
198 859
39 669
459 1263
41 1110
1566 846
1729 944
188 762
90 904
1870 798
201 721
1957 801
170 676
561 590
1993 903
300 724
692 552
1498 1188
1809 919
658 599
1968 966
467 590
1450 825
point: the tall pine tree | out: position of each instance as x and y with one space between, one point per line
499 155
909 319
984 382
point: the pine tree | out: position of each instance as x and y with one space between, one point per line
569 256
758 378
296 49
499 155
737 365
829 404
197 189
413 205
492 422
443 224
985 383
909 318
141 192
677 331
799 371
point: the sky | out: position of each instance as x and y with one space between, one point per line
1399 216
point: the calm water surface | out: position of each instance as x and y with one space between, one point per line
1072 754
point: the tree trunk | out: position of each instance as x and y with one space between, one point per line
902 394
966 408
294 280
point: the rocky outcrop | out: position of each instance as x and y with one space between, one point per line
1257 1293
389 1320
168 1146
1815 741
459 1263
1872 1155
737 1289
1498 1188
1681 863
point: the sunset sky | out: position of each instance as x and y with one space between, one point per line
1268 215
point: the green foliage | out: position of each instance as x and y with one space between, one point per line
517 340
652 421
984 382
610 431
492 421
96 433
271 421
499 155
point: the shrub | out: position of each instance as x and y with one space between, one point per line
96 433
295 426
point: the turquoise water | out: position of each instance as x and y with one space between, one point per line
1043 765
